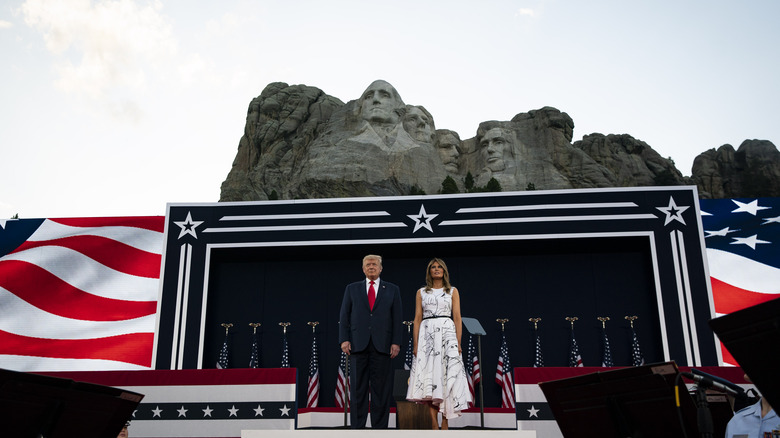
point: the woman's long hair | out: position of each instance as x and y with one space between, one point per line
445 278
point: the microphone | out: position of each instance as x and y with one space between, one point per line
706 381
731 385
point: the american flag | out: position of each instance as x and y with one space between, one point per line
504 376
606 351
342 383
476 372
79 294
254 356
409 354
741 236
538 358
470 352
223 361
285 351
313 393
575 360
637 359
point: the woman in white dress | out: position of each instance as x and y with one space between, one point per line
438 376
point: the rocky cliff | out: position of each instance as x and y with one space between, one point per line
299 142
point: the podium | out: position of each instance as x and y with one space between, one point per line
628 402
33 405
409 415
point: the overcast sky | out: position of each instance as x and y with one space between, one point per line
118 107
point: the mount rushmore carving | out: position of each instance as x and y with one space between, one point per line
299 142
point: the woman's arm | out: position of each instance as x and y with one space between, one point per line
417 320
456 316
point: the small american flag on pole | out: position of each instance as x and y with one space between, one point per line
285 348
342 383
575 360
409 353
637 359
469 370
254 356
504 376
606 359
223 361
313 393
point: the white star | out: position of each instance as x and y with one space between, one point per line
2 223
285 410
532 412
721 232
749 241
182 412
751 208
134 411
259 411
188 226
673 212
207 412
233 411
422 219
771 220
157 411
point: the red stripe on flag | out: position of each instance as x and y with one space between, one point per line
28 281
135 348
116 255
152 223
729 298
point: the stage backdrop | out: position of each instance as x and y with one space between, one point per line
76 293
551 255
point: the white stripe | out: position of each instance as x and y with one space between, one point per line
743 272
203 428
583 218
215 393
87 274
38 364
689 300
24 319
143 239
546 207
681 297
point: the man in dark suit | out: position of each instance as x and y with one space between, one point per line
370 331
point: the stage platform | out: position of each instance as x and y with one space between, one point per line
349 433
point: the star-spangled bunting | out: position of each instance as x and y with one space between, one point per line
742 237
469 361
637 359
254 355
342 382
606 351
538 358
575 360
223 361
285 352
504 376
313 392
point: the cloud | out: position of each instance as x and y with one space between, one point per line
106 50
528 12
5 24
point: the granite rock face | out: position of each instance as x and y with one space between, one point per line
299 143
751 171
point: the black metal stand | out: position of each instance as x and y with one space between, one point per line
473 327
703 414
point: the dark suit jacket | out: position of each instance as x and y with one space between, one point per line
383 326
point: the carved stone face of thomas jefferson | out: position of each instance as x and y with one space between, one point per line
492 146
379 103
418 124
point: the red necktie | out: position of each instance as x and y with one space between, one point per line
371 295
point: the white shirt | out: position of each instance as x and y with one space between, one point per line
376 285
